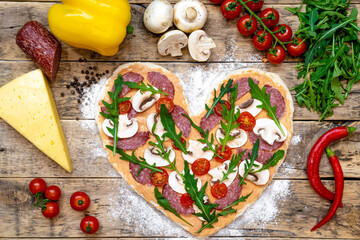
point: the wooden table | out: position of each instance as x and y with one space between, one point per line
289 208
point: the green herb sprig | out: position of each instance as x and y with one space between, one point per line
144 88
249 163
273 161
236 202
224 89
235 159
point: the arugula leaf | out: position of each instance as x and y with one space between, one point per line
249 163
143 87
260 94
163 202
169 125
278 155
235 159
216 219
224 89
236 202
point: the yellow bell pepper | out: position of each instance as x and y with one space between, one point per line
97 25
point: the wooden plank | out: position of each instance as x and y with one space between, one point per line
21 159
122 214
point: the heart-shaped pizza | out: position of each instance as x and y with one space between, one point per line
201 171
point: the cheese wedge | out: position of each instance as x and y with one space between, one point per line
27 104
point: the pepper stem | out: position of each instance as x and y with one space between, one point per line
329 153
350 130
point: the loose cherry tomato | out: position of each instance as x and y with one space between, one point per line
247 121
51 210
216 1
218 107
159 179
247 25
125 107
284 34
201 166
186 200
173 144
219 190
37 185
169 104
255 5
271 17
79 201
230 9
276 55
226 154
89 224
53 193
295 49
262 41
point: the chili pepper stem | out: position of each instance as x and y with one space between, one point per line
350 129
329 153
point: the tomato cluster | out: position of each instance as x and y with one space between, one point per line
273 38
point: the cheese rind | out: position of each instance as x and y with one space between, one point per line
27 104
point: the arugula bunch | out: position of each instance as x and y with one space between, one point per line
224 89
235 159
332 60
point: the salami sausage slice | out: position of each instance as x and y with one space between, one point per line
132 113
144 176
210 122
138 140
129 77
162 82
276 99
262 144
174 200
181 121
243 86
233 194
263 156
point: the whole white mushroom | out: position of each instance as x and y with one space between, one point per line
190 15
158 16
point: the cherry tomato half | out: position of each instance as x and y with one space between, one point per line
79 201
201 166
272 17
53 193
219 107
125 107
295 49
285 32
89 224
226 155
262 41
159 179
247 121
37 185
219 190
173 144
52 209
255 5
247 25
230 9
276 55
216 1
169 104
186 200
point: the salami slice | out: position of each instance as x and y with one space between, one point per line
276 98
132 113
210 122
263 156
144 176
262 144
233 194
174 200
129 77
243 86
138 140
181 121
162 82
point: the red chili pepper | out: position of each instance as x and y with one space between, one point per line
339 188
317 150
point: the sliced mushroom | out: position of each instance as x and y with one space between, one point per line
158 16
195 151
240 137
259 178
143 101
190 15
269 131
199 45
218 173
107 124
151 120
172 42
152 156
250 106
126 129
177 184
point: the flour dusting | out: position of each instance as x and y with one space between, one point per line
295 140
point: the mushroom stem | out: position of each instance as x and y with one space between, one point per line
190 14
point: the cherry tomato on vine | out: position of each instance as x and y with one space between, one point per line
125 107
218 107
226 154
255 5
272 17
173 144
230 9
186 200
216 1
53 193
276 55
159 179
37 185
201 166
295 49
247 121
284 34
169 104
247 25
262 41
79 201
89 224
51 210
219 190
